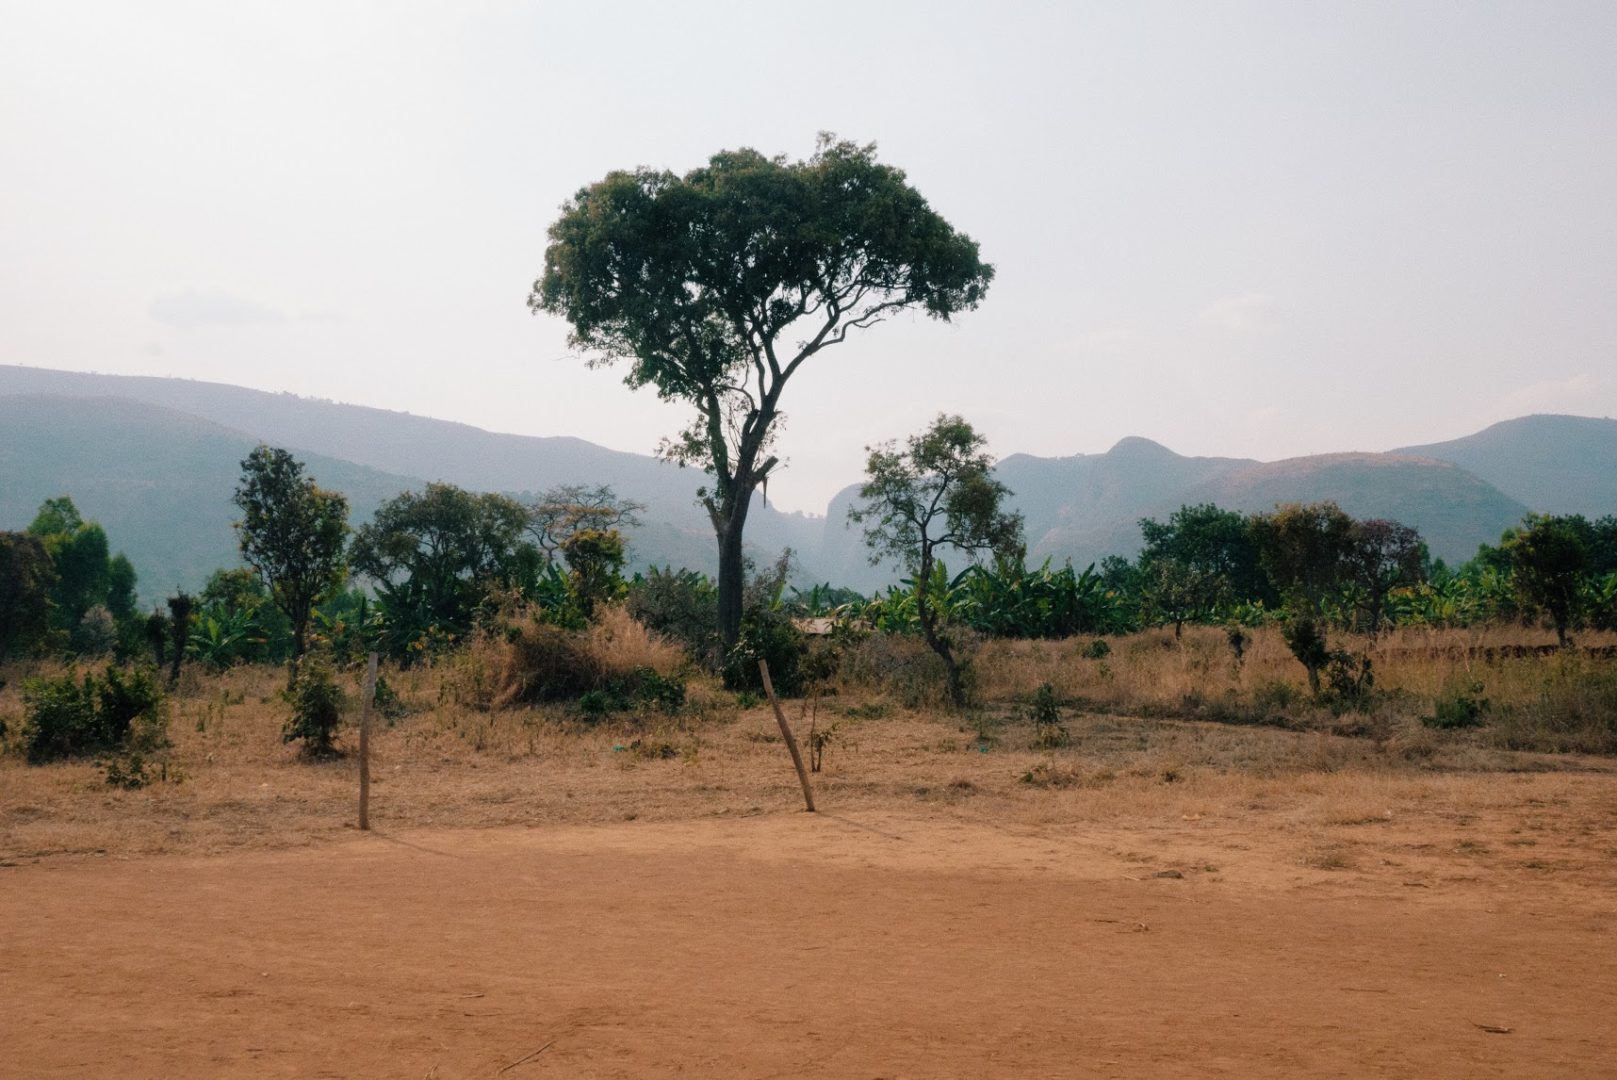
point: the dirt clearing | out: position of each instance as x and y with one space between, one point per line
838 945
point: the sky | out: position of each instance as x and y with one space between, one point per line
1244 229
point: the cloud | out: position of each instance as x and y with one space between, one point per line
191 308
1244 314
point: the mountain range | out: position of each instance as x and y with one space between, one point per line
155 460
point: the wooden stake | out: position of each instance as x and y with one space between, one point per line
786 733
365 742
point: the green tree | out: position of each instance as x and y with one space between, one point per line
937 492
437 555
79 552
1549 559
121 588
292 534
1216 546
1382 556
1305 550
27 579
718 286
595 557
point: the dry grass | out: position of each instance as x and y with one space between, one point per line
1561 703
453 761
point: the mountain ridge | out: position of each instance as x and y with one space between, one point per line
1078 507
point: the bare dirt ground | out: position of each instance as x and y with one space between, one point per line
1158 899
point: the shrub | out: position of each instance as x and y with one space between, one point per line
69 717
683 606
317 705
389 705
129 706
1049 732
1099 649
534 661
1348 680
1458 707
641 689
59 719
769 636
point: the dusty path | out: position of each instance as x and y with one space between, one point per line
865 945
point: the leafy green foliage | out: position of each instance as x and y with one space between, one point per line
716 286
1550 561
439 556
678 604
68 717
1049 733
641 689
595 558
317 707
938 492
292 534
27 577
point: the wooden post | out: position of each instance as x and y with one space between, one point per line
365 742
786 733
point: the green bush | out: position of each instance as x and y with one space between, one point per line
68 717
769 636
317 706
1458 707
682 605
1099 649
59 718
641 689
1049 732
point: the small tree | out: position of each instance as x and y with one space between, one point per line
1382 556
180 606
27 578
438 554
595 557
1549 559
1305 550
562 512
937 492
292 535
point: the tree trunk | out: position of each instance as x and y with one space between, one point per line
929 630
732 570
299 632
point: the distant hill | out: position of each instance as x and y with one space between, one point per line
1454 510
677 531
158 480
1088 506
1554 464
156 460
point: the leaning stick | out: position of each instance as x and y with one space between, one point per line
786 732
365 742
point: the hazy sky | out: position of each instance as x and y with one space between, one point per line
1237 228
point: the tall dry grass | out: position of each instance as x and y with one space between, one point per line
529 661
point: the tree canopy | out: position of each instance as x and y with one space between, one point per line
292 534
937 492
437 554
716 286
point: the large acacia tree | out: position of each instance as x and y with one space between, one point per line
717 285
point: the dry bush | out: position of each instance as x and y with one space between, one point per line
899 666
530 661
620 644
